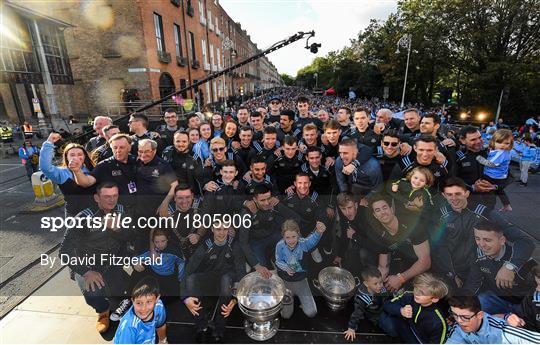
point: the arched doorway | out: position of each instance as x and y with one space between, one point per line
166 87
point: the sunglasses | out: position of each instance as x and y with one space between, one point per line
390 143
218 149
274 102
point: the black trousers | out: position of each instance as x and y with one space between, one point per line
204 286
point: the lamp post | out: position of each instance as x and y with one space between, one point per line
226 44
405 42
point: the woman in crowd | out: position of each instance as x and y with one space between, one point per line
230 135
217 125
77 198
201 150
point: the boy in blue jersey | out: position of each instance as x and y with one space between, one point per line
417 317
474 326
145 318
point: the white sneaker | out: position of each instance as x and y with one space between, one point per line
316 255
121 310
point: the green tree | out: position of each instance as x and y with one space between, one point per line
287 79
476 47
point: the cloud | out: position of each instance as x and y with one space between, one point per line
335 24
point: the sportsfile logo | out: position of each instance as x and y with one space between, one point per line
116 221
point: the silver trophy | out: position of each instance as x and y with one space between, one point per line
337 286
261 301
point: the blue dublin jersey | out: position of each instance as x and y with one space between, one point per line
133 330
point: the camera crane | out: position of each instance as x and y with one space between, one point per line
278 45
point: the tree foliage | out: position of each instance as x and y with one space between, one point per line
287 79
476 47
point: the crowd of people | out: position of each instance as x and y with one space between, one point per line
285 185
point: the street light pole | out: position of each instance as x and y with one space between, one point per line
405 42
226 44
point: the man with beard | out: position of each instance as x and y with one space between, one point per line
388 153
426 155
187 169
343 116
354 176
430 125
470 170
242 117
257 176
246 150
185 206
287 165
351 251
322 180
403 248
307 205
268 149
267 215
286 126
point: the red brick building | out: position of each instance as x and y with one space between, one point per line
151 48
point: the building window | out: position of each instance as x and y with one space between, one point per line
18 56
158 26
212 60
204 55
183 84
192 46
178 40
201 11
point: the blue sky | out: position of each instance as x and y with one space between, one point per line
334 22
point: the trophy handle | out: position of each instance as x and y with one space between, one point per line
288 297
357 280
316 284
234 290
